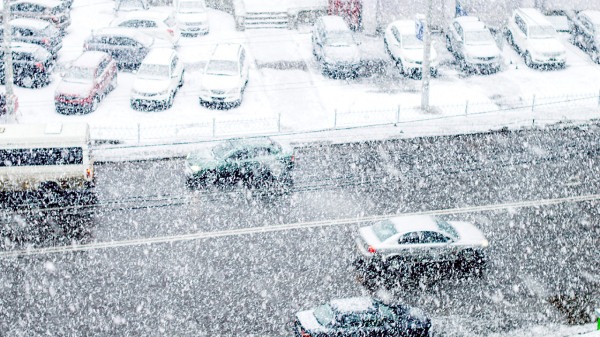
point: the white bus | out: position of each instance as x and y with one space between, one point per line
46 158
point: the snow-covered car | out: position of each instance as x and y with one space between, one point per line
585 33
124 6
534 37
85 83
473 45
157 80
192 17
361 316
35 31
421 239
32 65
55 12
403 46
259 162
160 25
225 76
334 47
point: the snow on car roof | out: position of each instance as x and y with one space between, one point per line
24 46
89 59
594 16
226 51
411 223
45 3
405 26
144 14
128 32
470 23
31 23
534 16
159 56
352 304
334 22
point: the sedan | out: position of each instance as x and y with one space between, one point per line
35 31
401 43
473 45
416 240
259 162
361 316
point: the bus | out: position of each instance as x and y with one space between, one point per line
46 160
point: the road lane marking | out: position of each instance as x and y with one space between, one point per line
285 227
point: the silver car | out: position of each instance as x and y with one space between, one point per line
419 239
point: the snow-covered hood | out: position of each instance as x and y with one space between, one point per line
221 82
343 53
546 46
417 54
489 50
192 17
74 89
309 322
469 234
147 85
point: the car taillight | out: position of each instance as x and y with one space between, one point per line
170 31
304 333
88 172
293 159
371 249
39 65
45 41
55 19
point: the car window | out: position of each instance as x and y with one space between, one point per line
324 315
130 24
101 67
351 321
396 34
371 319
174 63
384 230
433 237
262 152
147 24
445 227
521 24
239 155
125 41
23 32
410 238
458 28
20 56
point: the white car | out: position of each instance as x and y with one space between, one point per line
473 45
401 43
161 25
534 37
420 239
334 46
192 17
225 76
157 80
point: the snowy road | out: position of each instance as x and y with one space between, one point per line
252 284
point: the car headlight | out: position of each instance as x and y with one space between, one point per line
195 168
484 243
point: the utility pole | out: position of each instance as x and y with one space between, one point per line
8 66
425 71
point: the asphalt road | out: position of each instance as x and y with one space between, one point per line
252 284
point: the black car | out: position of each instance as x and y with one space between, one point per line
35 31
32 65
361 316
55 12
127 46
585 31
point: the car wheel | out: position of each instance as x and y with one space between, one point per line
528 60
448 44
26 82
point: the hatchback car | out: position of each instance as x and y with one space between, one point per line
401 43
253 163
534 37
192 17
35 31
225 76
158 80
160 25
85 83
334 46
361 316
32 65
473 45
127 46
413 240
55 12
585 33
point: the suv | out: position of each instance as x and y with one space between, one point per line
225 76
534 37
473 45
405 49
192 17
585 33
334 46
127 46
86 82
32 65
53 11
35 31
157 24
158 80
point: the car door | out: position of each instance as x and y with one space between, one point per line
351 326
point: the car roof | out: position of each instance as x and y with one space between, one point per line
226 51
159 56
46 3
25 47
252 142
411 223
144 14
334 22
405 26
30 22
470 23
534 15
89 59
594 16
122 31
352 304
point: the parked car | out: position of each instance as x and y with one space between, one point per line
534 37
124 6
401 43
158 80
585 32
361 316
32 65
160 25
334 46
35 31
225 76
473 45
406 241
54 11
192 17
3 103
85 83
127 46
254 163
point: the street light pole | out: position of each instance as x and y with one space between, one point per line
425 71
8 65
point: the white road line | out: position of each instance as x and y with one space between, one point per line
286 227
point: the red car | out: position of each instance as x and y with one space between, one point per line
86 82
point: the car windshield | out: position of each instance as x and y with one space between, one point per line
411 42
542 32
191 7
224 148
447 228
324 315
221 67
339 39
155 71
384 229
479 37
79 75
